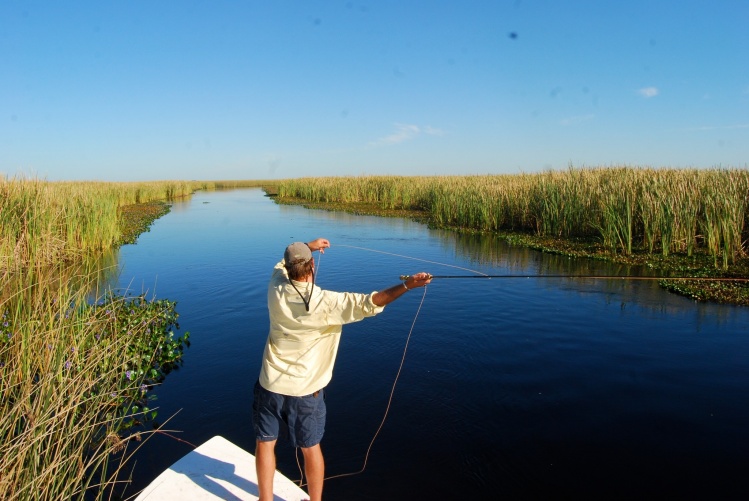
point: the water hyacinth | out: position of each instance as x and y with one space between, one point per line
80 396
52 241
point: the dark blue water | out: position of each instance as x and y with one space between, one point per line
517 388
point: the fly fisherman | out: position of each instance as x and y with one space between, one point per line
305 329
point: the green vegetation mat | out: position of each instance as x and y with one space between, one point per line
137 218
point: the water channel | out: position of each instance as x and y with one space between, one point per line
526 388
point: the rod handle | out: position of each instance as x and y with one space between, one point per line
406 277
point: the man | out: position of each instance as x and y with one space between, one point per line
305 329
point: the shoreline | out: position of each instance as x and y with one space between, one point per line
680 265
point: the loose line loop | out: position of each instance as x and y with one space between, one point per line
387 407
392 392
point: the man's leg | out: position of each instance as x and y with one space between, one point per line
265 465
314 469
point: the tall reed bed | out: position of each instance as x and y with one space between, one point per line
229 184
74 369
74 376
47 222
659 210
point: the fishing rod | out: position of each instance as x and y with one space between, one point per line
589 277
579 277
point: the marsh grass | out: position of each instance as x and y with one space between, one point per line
74 377
45 223
627 209
75 363
51 222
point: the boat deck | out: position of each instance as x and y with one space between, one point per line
217 470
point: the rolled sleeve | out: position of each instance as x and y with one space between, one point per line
347 307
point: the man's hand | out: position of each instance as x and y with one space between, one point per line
387 296
318 244
418 280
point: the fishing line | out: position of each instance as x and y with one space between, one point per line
390 398
479 275
578 277
413 258
301 482
318 261
591 277
387 407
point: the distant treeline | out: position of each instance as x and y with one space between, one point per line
658 210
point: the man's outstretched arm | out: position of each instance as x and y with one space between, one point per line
387 296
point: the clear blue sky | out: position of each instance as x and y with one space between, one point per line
142 90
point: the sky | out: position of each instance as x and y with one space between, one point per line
221 90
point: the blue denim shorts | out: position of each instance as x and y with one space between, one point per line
300 419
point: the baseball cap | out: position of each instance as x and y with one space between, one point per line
298 251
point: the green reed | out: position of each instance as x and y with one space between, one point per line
627 208
74 377
49 222
74 373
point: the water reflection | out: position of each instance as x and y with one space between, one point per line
89 277
488 251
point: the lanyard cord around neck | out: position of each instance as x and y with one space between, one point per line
305 300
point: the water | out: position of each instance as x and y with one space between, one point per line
522 388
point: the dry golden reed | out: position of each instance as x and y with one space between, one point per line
46 222
660 210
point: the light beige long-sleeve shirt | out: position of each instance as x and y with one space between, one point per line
301 349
